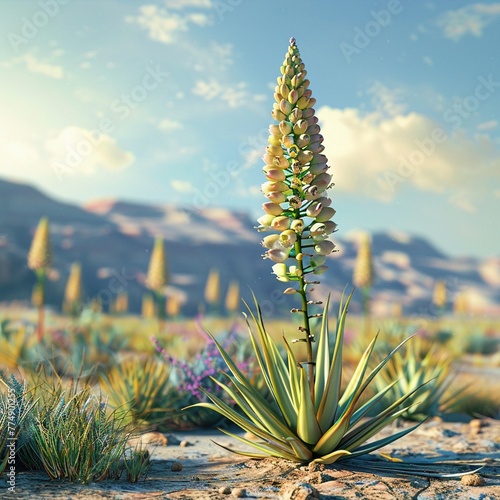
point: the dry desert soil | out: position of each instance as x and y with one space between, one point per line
210 472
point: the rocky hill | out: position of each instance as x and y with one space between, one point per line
112 240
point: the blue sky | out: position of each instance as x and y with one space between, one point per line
169 102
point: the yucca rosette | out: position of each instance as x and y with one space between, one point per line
297 179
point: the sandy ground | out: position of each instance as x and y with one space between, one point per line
210 472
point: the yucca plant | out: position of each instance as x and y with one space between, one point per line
73 292
363 277
417 363
142 389
157 277
39 260
310 418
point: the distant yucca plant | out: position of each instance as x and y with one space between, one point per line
157 277
73 291
363 275
310 417
39 260
141 388
233 297
418 363
212 289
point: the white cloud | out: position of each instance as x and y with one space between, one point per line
181 186
471 19
235 96
184 4
33 65
375 154
163 25
489 125
78 150
168 125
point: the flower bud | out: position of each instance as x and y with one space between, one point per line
274 140
284 91
326 214
311 193
303 141
278 115
276 196
320 269
266 220
303 102
275 174
300 126
293 96
317 229
295 115
272 208
290 291
280 223
288 141
297 225
275 130
305 156
270 241
277 254
322 181
285 127
330 226
288 238
314 209
325 247
285 107
274 150
269 186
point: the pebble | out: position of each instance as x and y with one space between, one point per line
224 490
176 467
299 491
239 492
472 480
184 443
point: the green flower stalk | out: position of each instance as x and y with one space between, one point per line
439 297
39 260
156 278
297 175
73 291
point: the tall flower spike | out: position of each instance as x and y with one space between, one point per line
296 172
296 186
156 278
40 254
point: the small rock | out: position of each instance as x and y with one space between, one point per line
472 480
475 426
299 491
148 438
239 492
224 490
184 443
176 467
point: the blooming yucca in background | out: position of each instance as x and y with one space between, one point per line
309 417
39 260
363 276
73 291
157 276
212 290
